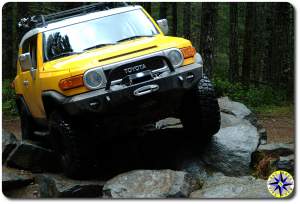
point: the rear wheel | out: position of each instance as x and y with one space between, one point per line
71 144
200 112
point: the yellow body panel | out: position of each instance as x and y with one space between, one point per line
50 73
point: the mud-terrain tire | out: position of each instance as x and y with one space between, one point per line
27 124
70 142
200 112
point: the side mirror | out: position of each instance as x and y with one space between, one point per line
163 24
25 61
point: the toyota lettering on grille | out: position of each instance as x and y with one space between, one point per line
136 68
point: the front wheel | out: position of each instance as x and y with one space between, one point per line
71 144
200 111
27 124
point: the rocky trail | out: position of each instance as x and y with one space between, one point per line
158 162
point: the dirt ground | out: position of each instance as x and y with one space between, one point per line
280 129
12 125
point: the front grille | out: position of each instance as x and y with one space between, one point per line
135 67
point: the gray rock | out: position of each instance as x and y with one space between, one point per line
277 148
58 186
196 168
149 184
228 120
263 141
234 108
253 120
29 156
262 132
9 143
169 123
13 178
220 186
286 163
231 148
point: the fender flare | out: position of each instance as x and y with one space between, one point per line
52 100
20 101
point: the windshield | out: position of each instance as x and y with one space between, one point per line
78 38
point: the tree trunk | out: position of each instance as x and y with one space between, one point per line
233 44
174 16
7 47
278 67
247 52
208 18
187 21
163 10
269 47
282 38
255 38
15 40
291 27
147 7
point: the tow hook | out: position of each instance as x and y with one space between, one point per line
146 90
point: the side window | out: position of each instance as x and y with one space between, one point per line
30 46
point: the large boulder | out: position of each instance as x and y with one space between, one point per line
231 148
13 178
58 186
234 108
277 148
228 120
30 156
220 186
196 168
9 143
150 184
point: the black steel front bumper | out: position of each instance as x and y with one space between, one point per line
162 94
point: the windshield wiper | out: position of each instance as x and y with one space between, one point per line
134 37
98 46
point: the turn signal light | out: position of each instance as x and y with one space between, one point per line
188 52
71 82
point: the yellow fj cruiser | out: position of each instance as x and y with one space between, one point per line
103 70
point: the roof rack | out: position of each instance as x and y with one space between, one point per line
28 23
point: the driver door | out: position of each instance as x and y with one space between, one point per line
29 75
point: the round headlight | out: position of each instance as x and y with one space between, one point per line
175 58
198 59
93 79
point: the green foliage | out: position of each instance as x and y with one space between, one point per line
254 96
8 98
285 110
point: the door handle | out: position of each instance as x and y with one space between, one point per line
26 83
146 90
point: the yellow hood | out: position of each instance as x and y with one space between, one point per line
77 64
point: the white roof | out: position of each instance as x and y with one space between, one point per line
77 19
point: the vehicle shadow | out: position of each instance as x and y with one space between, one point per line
158 149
